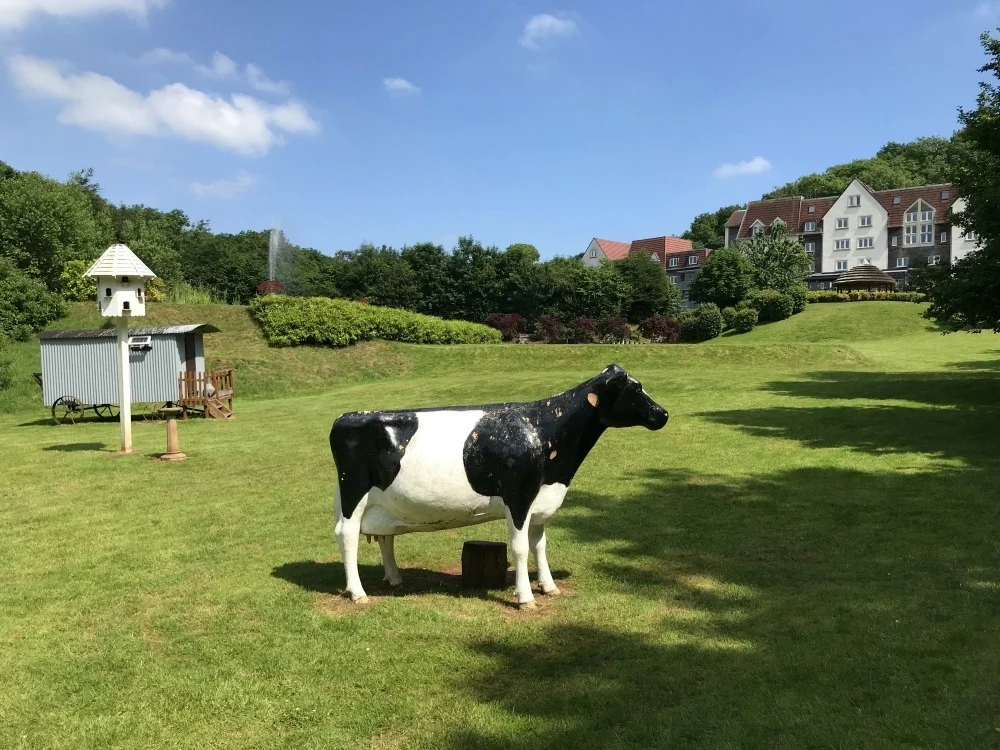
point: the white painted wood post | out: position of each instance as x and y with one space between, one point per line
124 385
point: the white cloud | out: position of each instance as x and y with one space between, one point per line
400 87
162 55
756 165
225 189
96 102
221 67
544 26
261 82
15 14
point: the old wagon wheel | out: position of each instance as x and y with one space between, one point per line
67 410
106 412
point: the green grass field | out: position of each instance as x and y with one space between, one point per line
808 556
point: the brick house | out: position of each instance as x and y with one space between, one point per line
681 262
600 249
889 229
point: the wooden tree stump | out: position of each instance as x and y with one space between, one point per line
484 565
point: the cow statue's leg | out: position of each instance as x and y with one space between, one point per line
348 531
385 544
536 538
519 546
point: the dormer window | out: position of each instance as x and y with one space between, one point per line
918 224
810 226
945 195
812 209
896 200
692 260
757 228
674 262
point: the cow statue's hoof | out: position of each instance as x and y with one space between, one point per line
394 583
363 599
527 605
554 591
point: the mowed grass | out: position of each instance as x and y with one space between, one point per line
806 556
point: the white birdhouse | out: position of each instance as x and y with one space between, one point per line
121 282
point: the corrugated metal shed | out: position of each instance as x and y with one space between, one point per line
83 364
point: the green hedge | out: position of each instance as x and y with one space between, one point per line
866 297
771 305
292 321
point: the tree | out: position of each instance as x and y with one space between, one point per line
651 291
778 260
26 305
968 293
74 286
709 229
380 275
474 272
577 290
726 278
524 283
429 263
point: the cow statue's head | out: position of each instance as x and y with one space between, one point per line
621 401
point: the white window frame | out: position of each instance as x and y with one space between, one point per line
972 235
854 201
812 209
674 280
897 199
692 260
674 262
926 234
843 223
810 247
864 221
842 244
865 243
841 265
895 240
593 253
810 226
944 237
902 262
757 228
945 195
934 260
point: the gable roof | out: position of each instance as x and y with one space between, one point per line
660 245
822 205
118 260
613 249
786 209
736 218
908 196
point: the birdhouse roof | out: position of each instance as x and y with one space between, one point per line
118 260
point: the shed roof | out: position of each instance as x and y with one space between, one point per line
111 333
119 260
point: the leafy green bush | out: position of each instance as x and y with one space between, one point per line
728 317
6 365
798 295
744 320
75 287
771 304
292 321
701 324
830 296
26 304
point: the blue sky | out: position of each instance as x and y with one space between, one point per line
397 122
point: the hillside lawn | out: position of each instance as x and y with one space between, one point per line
807 556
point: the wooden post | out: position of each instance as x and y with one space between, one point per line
173 444
484 565
124 386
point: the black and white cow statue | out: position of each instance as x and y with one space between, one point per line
431 469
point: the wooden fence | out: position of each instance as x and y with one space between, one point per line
202 390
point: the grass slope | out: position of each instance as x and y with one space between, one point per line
805 557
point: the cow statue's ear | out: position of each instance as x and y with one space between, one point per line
611 380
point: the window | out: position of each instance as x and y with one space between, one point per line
841 265
692 260
896 200
895 240
812 209
918 225
684 294
972 236
810 247
107 292
926 216
842 223
864 242
934 260
902 262
926 234
810 226
124 279
865 221
854 200
138 292
757 228
682 277
945 195
673 262
593 253
673 279
911 216
842 245
910 235
944 237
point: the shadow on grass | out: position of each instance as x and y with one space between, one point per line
74 447
328 578
814 607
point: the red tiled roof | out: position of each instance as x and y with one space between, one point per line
822 205
613 249
660 245
908 196
736 218
786 209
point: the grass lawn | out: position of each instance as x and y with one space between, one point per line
808 556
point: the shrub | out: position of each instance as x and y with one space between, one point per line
582 331
510 325
292 321
660 329
74 286
831 296
728 317
798 295
550 330
6 365
744 320
771 304
26 304
182 293
614 330
701 324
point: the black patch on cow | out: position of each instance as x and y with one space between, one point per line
367 449
516 448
